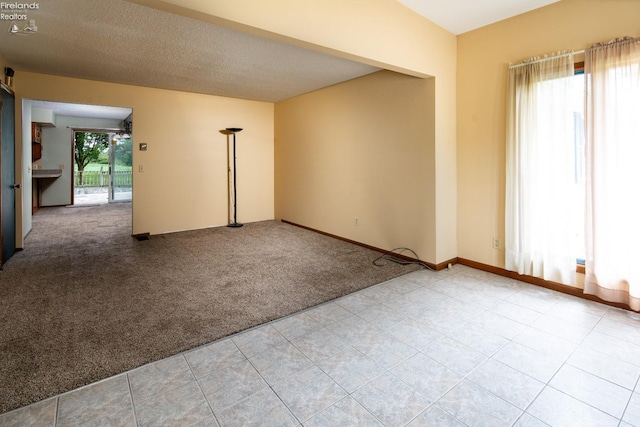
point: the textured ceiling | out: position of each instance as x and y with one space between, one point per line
121 42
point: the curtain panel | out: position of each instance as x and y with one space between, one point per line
540 235
612 135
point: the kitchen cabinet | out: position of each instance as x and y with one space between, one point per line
36 151
36 133
36 142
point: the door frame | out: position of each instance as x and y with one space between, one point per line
112 169
1 248
73 144
9 90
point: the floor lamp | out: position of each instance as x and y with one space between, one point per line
233 131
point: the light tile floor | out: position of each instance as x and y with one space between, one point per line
453 348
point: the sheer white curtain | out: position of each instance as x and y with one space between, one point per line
543 209
612 132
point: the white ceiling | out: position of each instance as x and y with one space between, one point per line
460 16
122 42
83 110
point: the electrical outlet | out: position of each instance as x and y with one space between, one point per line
356 221
496 243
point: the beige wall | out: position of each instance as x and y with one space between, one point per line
183 185
483 58
362 149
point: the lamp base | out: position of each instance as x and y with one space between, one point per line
235 225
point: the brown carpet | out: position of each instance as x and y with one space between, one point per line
85 300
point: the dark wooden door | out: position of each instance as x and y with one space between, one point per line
7 177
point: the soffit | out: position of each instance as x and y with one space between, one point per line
83 110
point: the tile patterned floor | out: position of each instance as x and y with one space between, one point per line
453 348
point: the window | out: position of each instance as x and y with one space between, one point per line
570 113
572 170
612 135
545 170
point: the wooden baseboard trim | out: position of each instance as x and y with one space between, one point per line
446 264
437 267
554 286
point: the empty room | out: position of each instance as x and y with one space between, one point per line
368 212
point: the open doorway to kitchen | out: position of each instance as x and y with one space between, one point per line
61 127
48 147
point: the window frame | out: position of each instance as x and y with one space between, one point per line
578 68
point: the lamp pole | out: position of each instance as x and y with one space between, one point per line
235 223
227 133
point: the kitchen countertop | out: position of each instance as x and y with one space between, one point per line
46 173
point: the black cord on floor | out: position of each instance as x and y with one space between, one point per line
401 261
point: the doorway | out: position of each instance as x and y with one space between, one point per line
59 121
103 162
90 167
